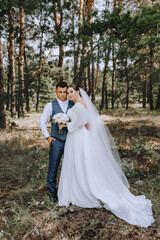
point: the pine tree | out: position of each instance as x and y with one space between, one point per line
2 113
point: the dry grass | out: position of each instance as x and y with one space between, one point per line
25 209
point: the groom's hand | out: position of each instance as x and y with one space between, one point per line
50 139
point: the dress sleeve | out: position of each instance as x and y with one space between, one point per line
79 117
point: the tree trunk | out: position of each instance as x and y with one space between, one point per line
8 81
21 65
119 3
87 9
107 4
113 76
40 66
58 26
150 80
78 58
158 100
144 91
2 113
74 41
89 79
104 100
115 4
127 82
12 63
97 73
93 78
26 85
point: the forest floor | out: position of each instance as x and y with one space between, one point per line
26 211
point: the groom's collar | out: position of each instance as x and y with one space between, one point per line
61 102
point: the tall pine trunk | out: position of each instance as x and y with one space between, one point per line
80 20
2 113
12 63
58 27
74 41
40 65
104 100
113 76
144 91
21 65
114 4
93 78
8 80
97 72
26 85
150 80
127 84
158 100
84 63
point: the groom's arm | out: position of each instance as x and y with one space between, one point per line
47 113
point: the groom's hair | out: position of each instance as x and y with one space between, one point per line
61 84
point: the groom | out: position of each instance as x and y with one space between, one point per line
56 140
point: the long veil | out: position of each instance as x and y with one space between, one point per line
102 138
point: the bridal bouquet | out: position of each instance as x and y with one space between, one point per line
60 118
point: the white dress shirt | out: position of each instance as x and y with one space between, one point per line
47 113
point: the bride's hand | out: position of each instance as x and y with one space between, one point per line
62 126
87 126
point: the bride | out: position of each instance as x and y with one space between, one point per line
91 174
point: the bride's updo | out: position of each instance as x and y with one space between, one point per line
74 86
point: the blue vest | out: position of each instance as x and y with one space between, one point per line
54 128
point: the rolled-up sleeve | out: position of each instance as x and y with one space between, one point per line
47 113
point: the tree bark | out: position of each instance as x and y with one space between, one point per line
119 3
115 4
8 80
21 65
113 76
80 20
84 63
150 81
26 85
93 78
58 25
2 113
89 79
12 63
40 66
127 83
74 41
144 91
104 100
97 73
158 100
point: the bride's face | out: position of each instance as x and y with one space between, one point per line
72 94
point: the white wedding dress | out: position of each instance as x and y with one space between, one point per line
91 175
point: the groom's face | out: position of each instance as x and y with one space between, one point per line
62 93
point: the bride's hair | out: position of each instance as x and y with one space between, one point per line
74 86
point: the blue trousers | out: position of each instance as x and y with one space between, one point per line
55 154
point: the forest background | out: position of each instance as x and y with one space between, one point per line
110 48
